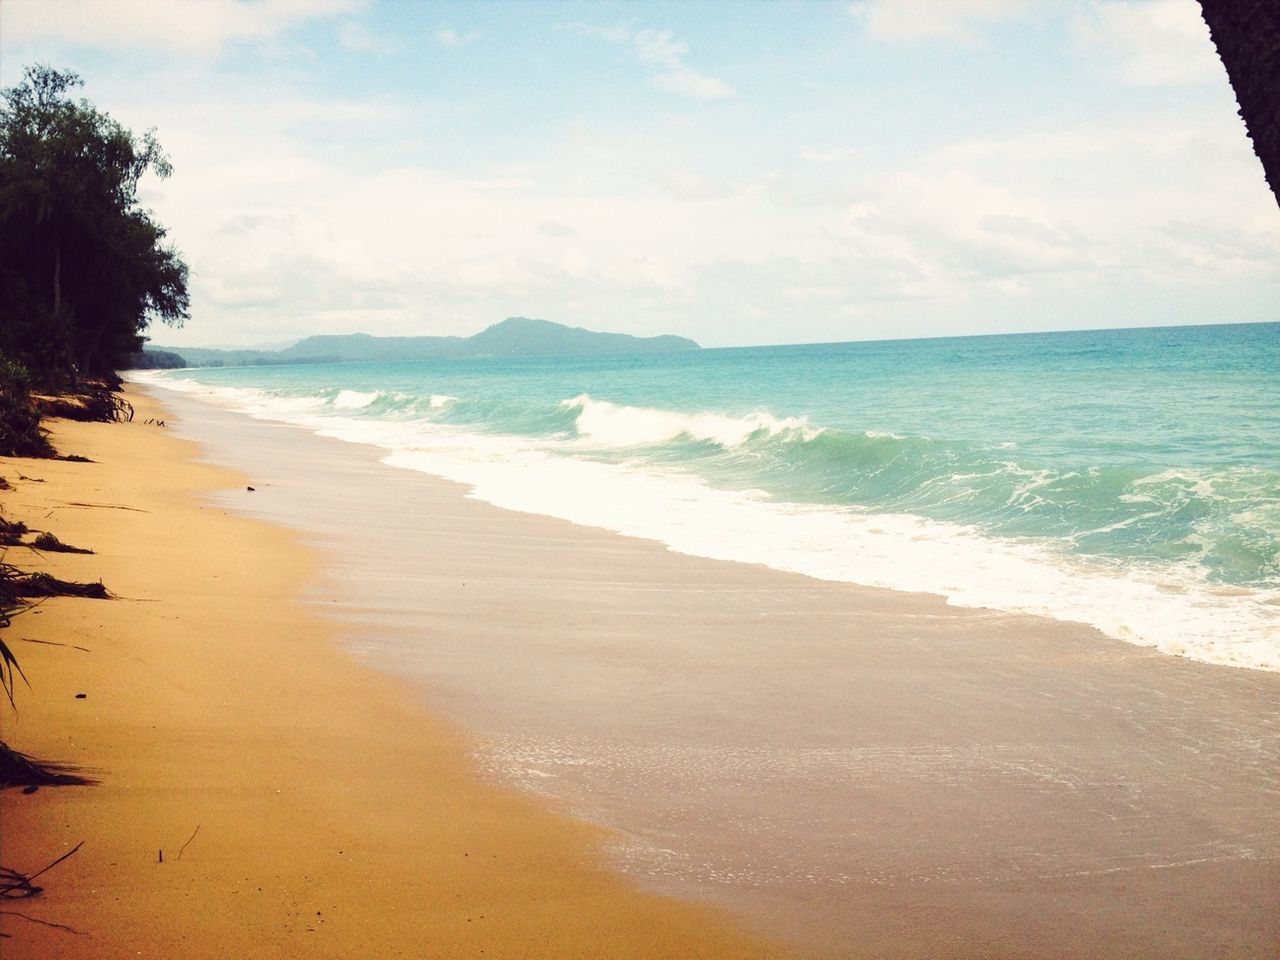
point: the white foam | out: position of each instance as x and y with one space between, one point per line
606 424
441 400
1172 609
354 399
256 403
1176 614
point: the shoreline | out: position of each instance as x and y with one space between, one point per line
302 802
851 771
1157 545
859 771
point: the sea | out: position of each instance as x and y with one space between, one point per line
1126 479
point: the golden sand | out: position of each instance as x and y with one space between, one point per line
261 795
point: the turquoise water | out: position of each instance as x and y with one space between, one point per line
1129 478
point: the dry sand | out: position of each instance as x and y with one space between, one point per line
304 805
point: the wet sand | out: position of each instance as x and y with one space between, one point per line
861 772
261 794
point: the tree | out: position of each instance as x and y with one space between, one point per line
84 268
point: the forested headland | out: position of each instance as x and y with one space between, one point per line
85 269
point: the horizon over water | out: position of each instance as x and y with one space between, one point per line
1129 479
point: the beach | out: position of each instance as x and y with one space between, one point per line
259 793
624 481
406 722
859 771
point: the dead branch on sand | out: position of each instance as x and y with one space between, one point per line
18 886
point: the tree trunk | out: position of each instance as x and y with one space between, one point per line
57 277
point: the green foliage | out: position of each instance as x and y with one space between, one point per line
20 434
84 269
156 360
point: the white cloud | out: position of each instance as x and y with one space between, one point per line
830 154
659 47
923 20
931 232
690 83
200 29
1156 43
1151 205
358 37
288 238
660 50
449 37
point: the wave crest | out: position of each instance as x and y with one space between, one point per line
608 424
354 399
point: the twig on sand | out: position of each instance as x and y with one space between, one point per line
189 839
104 506
55 643
18 886
43 923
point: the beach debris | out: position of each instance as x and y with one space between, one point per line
9 664
82 696
11 532
19 770
43 923
250 489
74 458
50 543
94 402
19 886
16 584
55 643
104 506
15 588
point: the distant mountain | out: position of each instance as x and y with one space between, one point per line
520 336
513 337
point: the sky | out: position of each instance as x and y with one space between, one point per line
743 172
